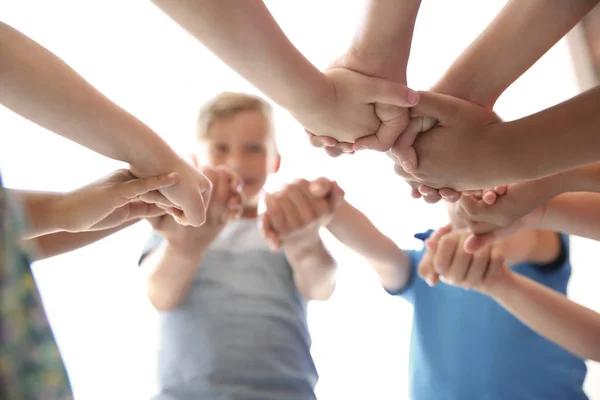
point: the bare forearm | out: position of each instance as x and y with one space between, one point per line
531 246
570 325
383 38
54 244
519 35
555 140
356 231
246 37
39 86
171 276
314 269
40 210
573 213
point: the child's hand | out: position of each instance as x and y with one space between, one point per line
225 205
113 200
191 194
457 153
295 213
446 257
347 112
521 206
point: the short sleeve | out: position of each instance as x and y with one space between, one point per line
408 291
563 256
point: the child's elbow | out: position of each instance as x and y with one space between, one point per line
321 292
160 301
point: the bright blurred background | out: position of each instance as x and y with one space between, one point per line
140 59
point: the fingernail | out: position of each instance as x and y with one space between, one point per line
430 280
412 97
407 166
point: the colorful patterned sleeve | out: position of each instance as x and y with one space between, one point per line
31 367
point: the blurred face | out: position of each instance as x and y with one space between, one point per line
245 143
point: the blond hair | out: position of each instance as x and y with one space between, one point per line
225 105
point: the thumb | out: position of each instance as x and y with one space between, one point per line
393 93
445 109
320 187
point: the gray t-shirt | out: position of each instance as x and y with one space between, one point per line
241 333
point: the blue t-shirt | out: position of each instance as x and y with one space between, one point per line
465 346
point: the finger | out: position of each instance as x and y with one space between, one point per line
222 186
426 270
276 215
475 243
403 151
489 197
415 194
156 197
496 263
337 195
450 195
334 151
321 187
438 234
132 189
269 233
372 142
303 204
461 262
290 214
428 190
472 207
377 90
432 199
445 109
445 254
478 269
320 141
140 209
501 190
322 204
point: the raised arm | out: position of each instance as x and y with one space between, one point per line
245 36
357 232
39 86
517 37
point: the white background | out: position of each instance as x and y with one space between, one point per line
145 63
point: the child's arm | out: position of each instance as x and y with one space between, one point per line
173 266
292 221
338 103
54 244
550 314
446 151
573 213
493 61
171 269
355 230
103 204
39 86
549 203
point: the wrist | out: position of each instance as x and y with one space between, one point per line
462 86
383 61
154 157
302 244
192 247
501 287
